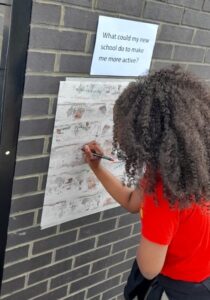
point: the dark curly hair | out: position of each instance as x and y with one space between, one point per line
162 121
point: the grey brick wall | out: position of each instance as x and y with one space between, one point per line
88 258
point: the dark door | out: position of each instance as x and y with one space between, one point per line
14 34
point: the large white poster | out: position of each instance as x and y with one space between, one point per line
84 113
123 47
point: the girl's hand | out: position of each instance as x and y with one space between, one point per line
88 150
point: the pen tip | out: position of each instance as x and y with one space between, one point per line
115 160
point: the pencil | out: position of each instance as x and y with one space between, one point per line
103 156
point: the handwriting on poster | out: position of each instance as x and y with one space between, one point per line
84 113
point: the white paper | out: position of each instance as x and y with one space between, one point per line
123 47
84 113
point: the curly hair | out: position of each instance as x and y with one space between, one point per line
162 121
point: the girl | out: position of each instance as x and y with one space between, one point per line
162 125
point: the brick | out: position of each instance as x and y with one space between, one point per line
120 297
125 276
92 43
39 216
206 6
97 228
28 293
55 100
120 268
14 255
106 285
107 262
207 57
136 228
162 51
114 212
196 19
87 281
27 235
195 4
202 38
27 265
129 242
201 71
54 242
30 166
44 38
49 271
56 294
69 276
77 296
98 297
92 255
128 219
35 107
75 249
30 147
131 252
163 12
75 64
184 53
125 7
26 185
176 34
85 3
36 127
12 285
44 181
80 19
21 221
49 145
113 292
114 236
46 13
42 84
27 203
40 62
80 222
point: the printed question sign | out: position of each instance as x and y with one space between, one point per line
123 47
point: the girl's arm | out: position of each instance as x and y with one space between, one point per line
150 256
127 197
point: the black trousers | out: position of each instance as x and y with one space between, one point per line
138 286
182 290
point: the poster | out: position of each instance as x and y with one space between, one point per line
84 113
123 47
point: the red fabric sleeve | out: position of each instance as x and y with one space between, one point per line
159 221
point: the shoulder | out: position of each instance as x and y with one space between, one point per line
157 200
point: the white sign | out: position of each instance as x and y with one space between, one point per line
123 47
84 113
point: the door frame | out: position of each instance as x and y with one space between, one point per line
13 87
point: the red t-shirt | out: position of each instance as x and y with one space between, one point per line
186 231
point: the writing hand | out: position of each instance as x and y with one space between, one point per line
89 149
